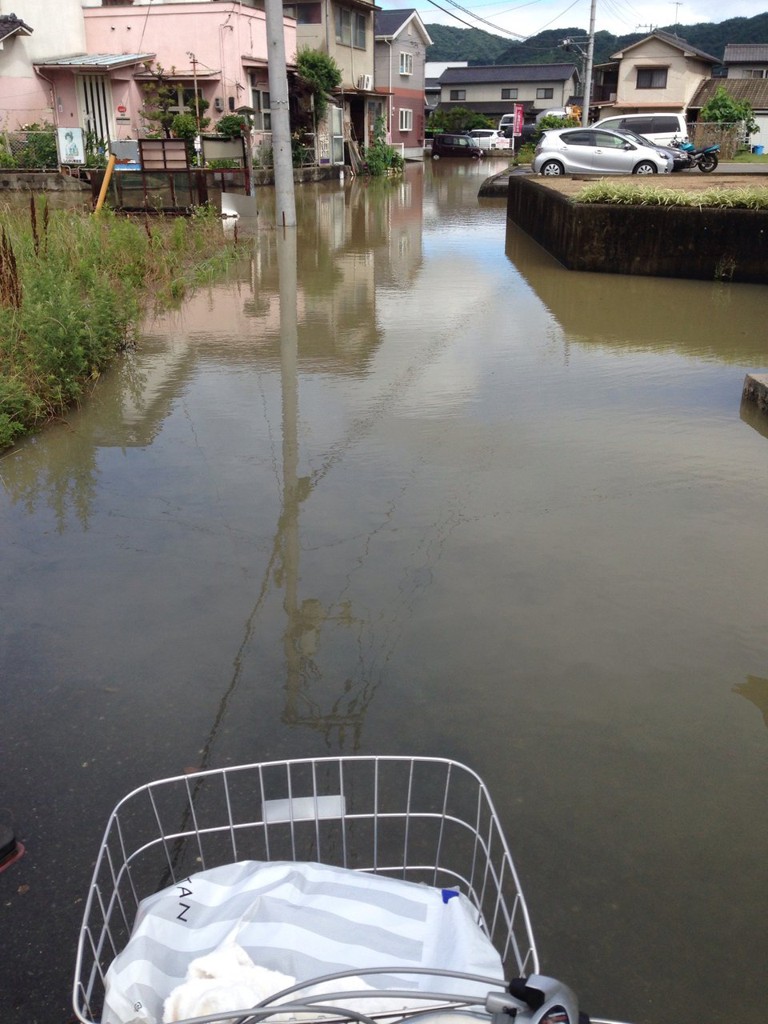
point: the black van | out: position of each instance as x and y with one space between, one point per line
455 144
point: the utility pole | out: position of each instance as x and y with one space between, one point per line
198 141
282 156
588 69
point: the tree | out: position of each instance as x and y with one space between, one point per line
723 109
161 102
321 73
460 119
552 121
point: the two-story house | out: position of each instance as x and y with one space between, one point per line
494 89
399 71
344 29
660 72
85 62
38 29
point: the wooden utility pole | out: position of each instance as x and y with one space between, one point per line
282 155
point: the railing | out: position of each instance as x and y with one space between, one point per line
730 137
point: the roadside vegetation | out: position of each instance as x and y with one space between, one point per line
73 287
641 194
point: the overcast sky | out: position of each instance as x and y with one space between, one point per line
527 17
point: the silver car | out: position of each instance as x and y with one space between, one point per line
596 151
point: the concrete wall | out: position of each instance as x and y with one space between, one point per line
666 241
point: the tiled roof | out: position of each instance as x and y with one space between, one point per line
507 73
745 53
10 25
389 22
667 37
754 90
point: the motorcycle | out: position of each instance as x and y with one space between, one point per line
705 159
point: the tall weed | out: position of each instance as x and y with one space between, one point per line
72 289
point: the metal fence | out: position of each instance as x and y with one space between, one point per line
730 137
28 151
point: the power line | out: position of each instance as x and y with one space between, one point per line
485 21
496 28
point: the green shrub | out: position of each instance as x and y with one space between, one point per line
379 156
231 125
72 287
630 194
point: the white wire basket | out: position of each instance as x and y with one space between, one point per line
424 820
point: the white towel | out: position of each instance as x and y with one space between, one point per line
226 979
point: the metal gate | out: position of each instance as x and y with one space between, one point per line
95 93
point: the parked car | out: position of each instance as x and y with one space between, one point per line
660 129
455 144
553 112
488 138
596 151
507 129
679 158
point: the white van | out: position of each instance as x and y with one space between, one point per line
660 129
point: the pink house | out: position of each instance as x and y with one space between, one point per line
218 49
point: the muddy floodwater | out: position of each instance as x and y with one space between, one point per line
405 485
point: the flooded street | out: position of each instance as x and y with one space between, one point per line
410 487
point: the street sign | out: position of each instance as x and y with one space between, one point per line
519 114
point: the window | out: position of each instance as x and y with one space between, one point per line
581 138
305 14
360 23
406 63
545 94
608 141
651 78
755 73
509 94
458 94
343 27
406 119
260 102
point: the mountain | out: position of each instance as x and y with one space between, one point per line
480 47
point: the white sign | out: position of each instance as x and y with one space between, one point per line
71 145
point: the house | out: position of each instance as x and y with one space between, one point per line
746 78
659 72
432 71
494 89
399 70
86 62
39 28
344 29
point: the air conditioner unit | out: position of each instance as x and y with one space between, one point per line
365 82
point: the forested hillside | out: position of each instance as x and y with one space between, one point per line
479 47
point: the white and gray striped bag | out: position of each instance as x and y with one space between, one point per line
300 919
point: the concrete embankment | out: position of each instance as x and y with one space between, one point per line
756 390
704 243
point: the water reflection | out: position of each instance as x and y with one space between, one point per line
755 689
644 313
394 491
